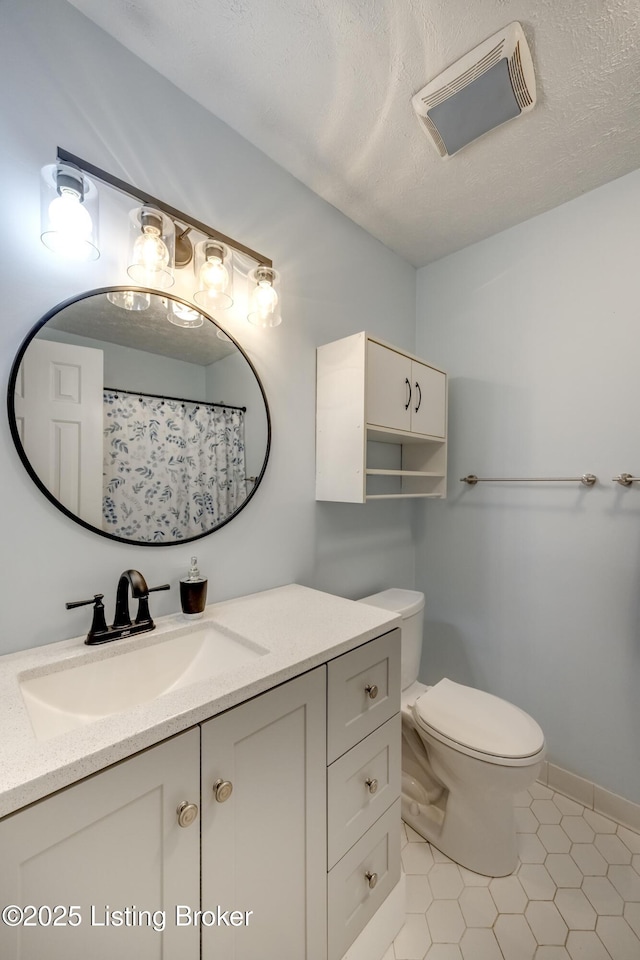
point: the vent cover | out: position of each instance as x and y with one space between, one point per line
493 83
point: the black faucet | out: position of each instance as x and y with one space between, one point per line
122 625
139 589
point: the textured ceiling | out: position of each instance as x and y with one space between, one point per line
149 330
324 87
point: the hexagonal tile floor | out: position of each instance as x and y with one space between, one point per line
575 894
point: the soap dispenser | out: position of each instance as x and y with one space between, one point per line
193 592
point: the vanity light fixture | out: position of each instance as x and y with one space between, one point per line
264 300
161 239
213 275
69 212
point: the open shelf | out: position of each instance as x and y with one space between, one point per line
403 496
402 473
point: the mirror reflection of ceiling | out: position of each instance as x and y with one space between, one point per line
148 330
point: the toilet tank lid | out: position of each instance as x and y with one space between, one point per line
478 720
404 602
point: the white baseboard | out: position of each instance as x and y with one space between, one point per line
382 929
591 795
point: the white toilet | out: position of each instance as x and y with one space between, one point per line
465 754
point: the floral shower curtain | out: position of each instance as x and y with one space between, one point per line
172 469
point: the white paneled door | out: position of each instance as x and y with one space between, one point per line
58 404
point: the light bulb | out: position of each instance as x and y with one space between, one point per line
68 212
151 257
130 299
180 315
214 275
265 298
150 252
263 302
71 226
214 278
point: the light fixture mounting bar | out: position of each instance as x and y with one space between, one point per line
146 198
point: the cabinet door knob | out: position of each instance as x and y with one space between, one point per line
222 790
187 813
372 785
372 690
419 389
372 879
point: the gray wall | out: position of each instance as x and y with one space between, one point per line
71 85
533 591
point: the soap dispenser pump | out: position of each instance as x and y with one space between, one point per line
193 592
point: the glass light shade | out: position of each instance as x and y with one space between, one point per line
214 275
69 212
152 248
264 298
180 315
130 299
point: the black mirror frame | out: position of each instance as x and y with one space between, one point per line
26 463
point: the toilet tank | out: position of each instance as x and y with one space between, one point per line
410 605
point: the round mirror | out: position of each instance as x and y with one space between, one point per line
139 417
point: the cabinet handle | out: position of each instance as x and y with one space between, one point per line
419 389
371 878
372 690
187 813
222 790
372 785
407 404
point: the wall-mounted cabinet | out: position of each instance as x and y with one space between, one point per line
381 423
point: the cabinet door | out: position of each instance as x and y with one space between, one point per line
389 388
428 401
110 846
264 847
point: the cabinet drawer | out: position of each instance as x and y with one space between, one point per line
351 900
361 785
363 692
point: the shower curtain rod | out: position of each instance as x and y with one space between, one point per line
156 396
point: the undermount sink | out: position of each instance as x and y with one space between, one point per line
78 694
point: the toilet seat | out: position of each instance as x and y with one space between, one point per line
478 724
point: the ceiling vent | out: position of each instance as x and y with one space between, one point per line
493 83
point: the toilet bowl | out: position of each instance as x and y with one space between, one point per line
465 754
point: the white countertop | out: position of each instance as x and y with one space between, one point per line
300 627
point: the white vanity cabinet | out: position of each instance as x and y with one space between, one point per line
228 818
363 797
381 423
263 843
109 843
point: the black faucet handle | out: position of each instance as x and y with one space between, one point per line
144 616
99 623
84 603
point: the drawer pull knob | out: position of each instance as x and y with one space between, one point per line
372 879
372 784
222 790
372 690
187 813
